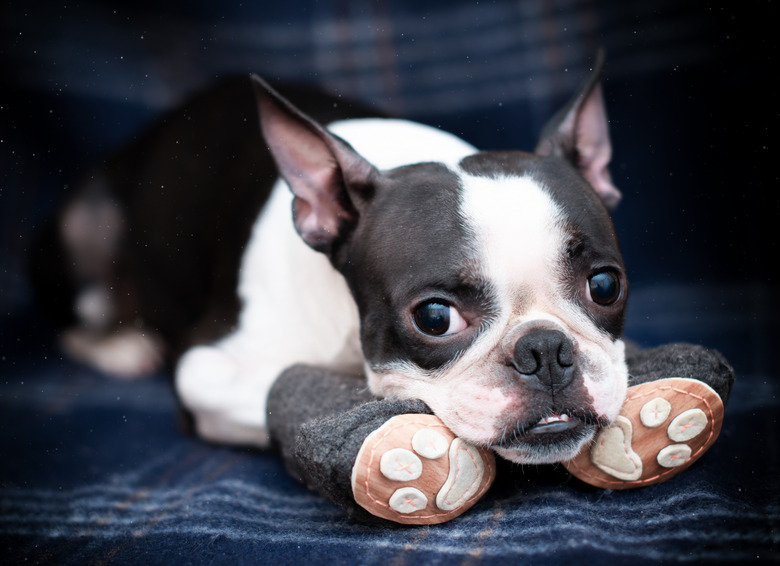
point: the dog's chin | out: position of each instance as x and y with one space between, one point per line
547 445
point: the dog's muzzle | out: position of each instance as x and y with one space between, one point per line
560 420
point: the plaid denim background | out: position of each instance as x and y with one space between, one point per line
93 471
79 80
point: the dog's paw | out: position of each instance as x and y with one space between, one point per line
225 396
125 353
663 428
413 470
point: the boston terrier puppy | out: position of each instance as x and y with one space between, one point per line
488 285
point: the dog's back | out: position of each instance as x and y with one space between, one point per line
142 243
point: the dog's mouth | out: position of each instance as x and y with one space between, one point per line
553 424
552 437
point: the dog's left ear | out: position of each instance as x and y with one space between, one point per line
580 133
329 179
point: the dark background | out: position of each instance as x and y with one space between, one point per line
688 84
93 470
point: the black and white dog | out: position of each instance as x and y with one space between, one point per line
488 285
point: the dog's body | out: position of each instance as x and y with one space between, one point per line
285 281
488 285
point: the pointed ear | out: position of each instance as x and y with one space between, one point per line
327 177
580 133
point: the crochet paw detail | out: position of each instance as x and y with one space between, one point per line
613 454
413 470
663 428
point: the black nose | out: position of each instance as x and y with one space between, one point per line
547 355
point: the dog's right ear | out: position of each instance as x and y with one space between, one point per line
580 133
328 178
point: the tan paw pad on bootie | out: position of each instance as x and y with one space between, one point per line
413 470
663 428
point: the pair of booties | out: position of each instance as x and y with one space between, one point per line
388 460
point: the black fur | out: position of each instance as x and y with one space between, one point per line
190 189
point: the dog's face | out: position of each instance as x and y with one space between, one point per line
504 312
494 290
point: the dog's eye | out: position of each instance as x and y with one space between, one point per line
437 318
604 287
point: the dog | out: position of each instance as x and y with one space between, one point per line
489 285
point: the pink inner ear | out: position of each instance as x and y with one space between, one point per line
602 183
314 165
594 147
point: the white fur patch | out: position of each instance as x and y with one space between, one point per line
392 143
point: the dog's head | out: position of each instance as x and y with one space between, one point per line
493 290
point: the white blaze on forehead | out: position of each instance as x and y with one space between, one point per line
518 231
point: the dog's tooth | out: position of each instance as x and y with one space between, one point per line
554 419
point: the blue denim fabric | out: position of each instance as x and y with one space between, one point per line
95 471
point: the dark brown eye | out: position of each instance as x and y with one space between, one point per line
437 318
604 287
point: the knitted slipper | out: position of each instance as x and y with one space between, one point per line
414 471
663 428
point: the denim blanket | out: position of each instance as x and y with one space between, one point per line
95 471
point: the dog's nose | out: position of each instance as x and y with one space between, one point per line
547 355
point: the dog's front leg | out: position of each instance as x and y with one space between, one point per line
373 457
319 419
225 392
681 360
